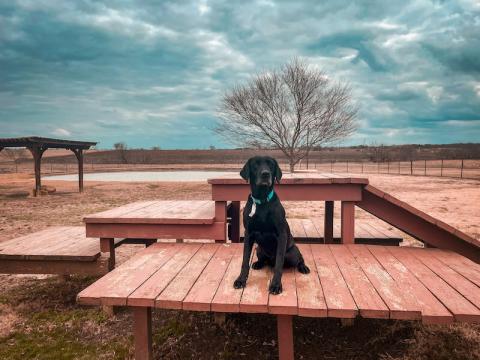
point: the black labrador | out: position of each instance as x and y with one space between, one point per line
265 224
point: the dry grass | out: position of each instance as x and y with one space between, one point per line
41 320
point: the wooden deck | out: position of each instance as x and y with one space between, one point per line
366 231
432 285
56 250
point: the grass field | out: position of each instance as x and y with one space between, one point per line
40 319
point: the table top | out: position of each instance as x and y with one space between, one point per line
434 285
296 178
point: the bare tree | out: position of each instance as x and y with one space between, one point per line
379 152
15 155
293 109
121 148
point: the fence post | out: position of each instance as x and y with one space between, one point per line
461 170
411 167
331 166
362 166
425 168
388 167
441 169
399 167
378 167
347 166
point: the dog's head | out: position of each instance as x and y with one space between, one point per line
261 171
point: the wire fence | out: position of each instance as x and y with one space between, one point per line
465 169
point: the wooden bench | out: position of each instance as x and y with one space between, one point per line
372 281
59 250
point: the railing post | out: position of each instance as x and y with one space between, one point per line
425 168
461 170
411 167
441 169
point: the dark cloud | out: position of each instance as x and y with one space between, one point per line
152 73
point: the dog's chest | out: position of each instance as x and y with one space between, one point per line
261 222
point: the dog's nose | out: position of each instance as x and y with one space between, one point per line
265 174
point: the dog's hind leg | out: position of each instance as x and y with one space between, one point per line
293 258
262 259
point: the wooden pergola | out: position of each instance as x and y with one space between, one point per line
38 145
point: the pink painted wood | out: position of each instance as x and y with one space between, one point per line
377 281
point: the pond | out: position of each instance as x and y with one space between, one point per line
130 176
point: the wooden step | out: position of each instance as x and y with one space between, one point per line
58 243
158 212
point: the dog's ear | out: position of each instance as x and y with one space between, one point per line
245 172
278 171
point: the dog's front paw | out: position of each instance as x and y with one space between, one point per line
257 265
275 287
239 283
303 268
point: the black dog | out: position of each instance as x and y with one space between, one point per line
265 224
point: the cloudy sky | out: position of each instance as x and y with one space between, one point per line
151 73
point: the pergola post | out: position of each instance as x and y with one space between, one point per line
79 154
37 153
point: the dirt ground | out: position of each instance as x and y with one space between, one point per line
39 318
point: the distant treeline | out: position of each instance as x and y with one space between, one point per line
375 153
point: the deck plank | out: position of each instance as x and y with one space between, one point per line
368 301
465 287
460 307
203 291
117 211
310 229
310 298
339 301
285 303
296 227
227 298
255 294
433 311
457 262
401 307
177 290
146 293
159 212
115 287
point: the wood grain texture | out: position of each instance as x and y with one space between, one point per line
345 280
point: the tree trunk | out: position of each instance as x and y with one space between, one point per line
292 166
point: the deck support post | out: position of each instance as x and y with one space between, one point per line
235 221
37 153
285 337
221 216
79 154
107 246
348 222
142 317
328 222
